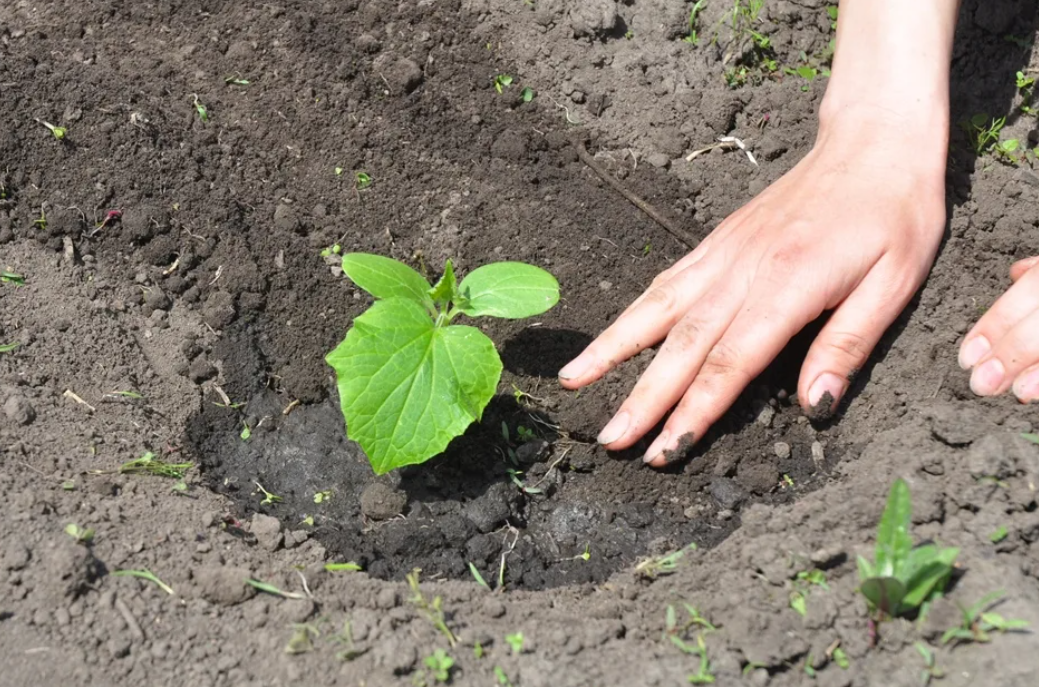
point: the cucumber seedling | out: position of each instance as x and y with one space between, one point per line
409 380
902 578
501 82
59 132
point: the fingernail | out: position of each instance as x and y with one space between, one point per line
826 384
615 428
1026 386
657 447
973 351
987 378
576 367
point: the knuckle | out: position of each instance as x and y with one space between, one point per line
849 345
662 297
683 336
724 360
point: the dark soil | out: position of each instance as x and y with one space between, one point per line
209 298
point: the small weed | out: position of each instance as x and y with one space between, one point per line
999 535
331 250
930 671
308 521
673 629
268 497
149 464
180 487
59 132
362 180
629 34
501 677
8 277
271 589
302 639
1024 83
515 641
432 610
901 577
81 535
342 567
703 675
652 568
977 623
41 221
144 575
527 94
693 36
323 496
501 82
983 132
832 12
8 347
346 638
236 80
1005 150
478 577
841 658
246 432
478 651
68 485
440 664
203 113
525 434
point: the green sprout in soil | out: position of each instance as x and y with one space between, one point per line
331 250
338 171
148 464
405 341
693 37
59 132
803 583
703 675
433 610
342 567
144 575
1024 84
68 485
901 578
501 677
977 622
478 577
268 497
8 347
41 221
203 113
694 619
527 94
840 658
302 639
983 132
515 642
501 82
832 12
931 671
440 664
246 432
999 535
236 80
271 589
652 568
362 180
346 638
1005 150
323 496
81 535
180 487
9 277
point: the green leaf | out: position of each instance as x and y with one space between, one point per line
528 94
512 290
385 277
893 540
446 290
7 348
478 577
885 593
866 570
1034 438
799 603
931 577
342 567
408 388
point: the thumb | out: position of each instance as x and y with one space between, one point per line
1018 269
845 342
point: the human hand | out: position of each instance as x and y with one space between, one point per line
1002 349
853 228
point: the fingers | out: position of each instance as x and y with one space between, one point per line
641 326
848 337
1013 306
755 337
1018 269
674 367
1015 352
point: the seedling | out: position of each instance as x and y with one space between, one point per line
514 475
362 181
478 577
246 432
322 496
999 535
346 637
673 629
308 521
268 497
806 72
840 658
977 622
527 94
81 535
180 488
331 250
515 642
930 671
8 277
501 677
203 113
703 676
983 132
832 11
41 221
144 575
302 640
693 37
68 485
342 567
271 589
652 568
59 132
501 82
237 81
803 583
410 381
440 664
8 347
339 171
525 434
149 464
432 610
1005 150
586 555
901 577
1024 84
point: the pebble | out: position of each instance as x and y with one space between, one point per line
727 493
782 450
818 455
18 410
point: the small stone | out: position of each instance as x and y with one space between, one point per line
782 450
727 493
765 416
818 454
156 299
987 457
490 510
593 17
658 160
532 451
267 530
285 218
295 538
605 285
381 502
18 410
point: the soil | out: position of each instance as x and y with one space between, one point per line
210 300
